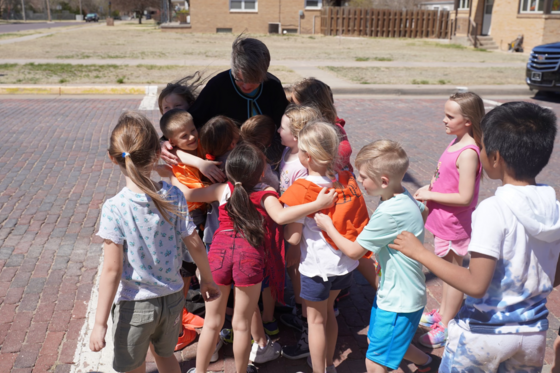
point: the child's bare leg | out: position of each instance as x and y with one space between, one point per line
367 269
415 355
293 272
246 299
373 367
556 364
317 321
167 364
268 305
213 323
257 328
332 327
452 298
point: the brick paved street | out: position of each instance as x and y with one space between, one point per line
54 176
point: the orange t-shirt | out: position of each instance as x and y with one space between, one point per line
190 176
349 214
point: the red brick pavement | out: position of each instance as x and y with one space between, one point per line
54 176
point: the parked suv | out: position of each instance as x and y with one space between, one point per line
92 17
543 69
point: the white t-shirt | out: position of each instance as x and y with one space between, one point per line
318 258
520 228
152 247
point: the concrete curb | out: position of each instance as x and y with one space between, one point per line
72 90
377 89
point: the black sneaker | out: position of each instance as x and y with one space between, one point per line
293 321
252 369
432 366
301 349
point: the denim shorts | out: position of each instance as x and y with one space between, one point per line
234 261
314 289
137 323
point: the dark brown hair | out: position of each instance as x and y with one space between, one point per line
313 92
217 135
135 146
259 131
244 169
186 87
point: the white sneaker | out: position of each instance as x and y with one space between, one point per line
271 351
216 355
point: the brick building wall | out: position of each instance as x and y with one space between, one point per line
551 31
508 23
209 15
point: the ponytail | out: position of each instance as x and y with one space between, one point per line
135 146
244 168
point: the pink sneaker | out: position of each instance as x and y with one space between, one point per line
436 337
430 318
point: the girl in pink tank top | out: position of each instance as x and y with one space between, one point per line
451 198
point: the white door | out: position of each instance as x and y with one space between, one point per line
487 21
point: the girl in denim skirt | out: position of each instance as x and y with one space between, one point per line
247 246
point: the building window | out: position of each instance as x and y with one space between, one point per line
532 6
243 5
464 4
313 4
555 6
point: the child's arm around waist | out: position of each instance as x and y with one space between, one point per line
108 285
473 281
468 166
209 194
353 250
208 287
288 215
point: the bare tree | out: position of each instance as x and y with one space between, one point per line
138 6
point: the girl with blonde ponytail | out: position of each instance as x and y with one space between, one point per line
144 228
247 246
324 269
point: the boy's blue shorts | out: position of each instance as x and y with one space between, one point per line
390 334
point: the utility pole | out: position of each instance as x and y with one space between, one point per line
49 10
81 13
23 10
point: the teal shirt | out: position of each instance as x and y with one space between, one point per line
402 286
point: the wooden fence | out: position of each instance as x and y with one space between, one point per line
385 23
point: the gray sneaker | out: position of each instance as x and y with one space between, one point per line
329 369
192 370
301 349
216 355
270 352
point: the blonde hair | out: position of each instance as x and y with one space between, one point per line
320 141
314 92
299 116
383 157
135 146
472 108
173 121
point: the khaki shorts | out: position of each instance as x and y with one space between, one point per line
137 323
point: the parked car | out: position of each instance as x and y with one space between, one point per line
92 17
543 68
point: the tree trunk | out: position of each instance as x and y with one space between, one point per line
140 18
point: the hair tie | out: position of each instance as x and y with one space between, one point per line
210 157
238 183
125 154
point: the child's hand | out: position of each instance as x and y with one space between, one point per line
408 244
210 291
323 221
212 172
97 338
422 194
293 256
168 157
326 198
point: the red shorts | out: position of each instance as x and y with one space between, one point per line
233 260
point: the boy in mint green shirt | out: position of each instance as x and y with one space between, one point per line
401 296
